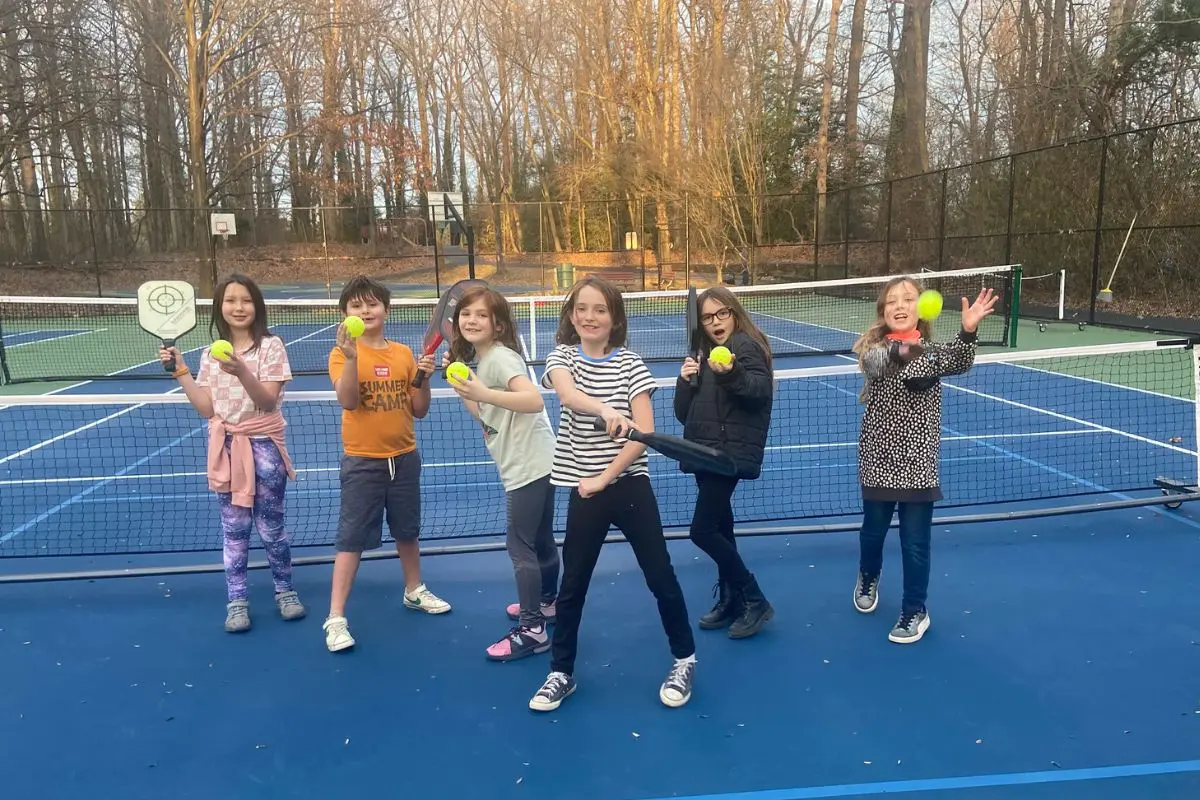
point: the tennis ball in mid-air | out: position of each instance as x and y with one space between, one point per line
721 355
458 372
354 326
221 350
929 304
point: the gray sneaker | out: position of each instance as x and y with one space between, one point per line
558 687
237 616
910 627
289 605
866 593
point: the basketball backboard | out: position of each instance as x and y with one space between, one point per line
437 205
223 224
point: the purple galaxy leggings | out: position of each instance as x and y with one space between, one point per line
270 481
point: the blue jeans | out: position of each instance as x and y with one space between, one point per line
916 522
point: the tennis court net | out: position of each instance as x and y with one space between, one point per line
88 338
88 475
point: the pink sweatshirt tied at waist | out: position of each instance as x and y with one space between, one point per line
234 471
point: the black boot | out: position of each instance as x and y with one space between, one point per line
755 611
725 611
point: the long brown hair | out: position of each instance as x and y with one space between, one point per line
616 309
502 325
258 329
878 331
740 317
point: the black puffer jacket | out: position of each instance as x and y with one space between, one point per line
732 411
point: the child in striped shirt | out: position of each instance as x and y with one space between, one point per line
595 375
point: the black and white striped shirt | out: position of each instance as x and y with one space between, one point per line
580 451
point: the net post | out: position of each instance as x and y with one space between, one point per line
1062 294
1014 312
1195 362
5 377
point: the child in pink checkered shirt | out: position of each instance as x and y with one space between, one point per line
248 463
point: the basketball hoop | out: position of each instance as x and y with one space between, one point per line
223 225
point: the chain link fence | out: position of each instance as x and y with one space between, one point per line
1069 214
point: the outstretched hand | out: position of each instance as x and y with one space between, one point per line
973 314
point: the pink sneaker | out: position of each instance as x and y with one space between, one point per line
514 612
520 642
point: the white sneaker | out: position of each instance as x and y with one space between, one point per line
337 634
421 599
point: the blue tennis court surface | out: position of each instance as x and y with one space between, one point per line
1057 646
1062 660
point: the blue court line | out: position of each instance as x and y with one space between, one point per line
964 782
76 498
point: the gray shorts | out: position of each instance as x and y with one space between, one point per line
371 487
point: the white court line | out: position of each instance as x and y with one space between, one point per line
835 445
1094 380
110 417
1069 418
525 350
54 338
74 431
95 487
124 476
20 335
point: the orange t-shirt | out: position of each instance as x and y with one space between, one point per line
382 425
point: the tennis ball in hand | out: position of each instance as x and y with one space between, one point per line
929 304
458 372
221 350
721 355
355 326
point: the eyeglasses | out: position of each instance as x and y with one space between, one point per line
724 313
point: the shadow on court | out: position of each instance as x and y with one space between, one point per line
1058 646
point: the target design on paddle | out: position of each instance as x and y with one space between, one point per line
165 299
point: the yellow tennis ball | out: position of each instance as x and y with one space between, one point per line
221 350
355 326
929 304
721 355
458 372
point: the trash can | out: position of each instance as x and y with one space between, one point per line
565 276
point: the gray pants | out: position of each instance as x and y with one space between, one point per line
532 548
373 488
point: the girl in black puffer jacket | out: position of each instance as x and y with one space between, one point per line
729 409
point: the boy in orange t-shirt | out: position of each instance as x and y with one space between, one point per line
381 467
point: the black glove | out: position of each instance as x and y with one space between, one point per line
903 352
920 384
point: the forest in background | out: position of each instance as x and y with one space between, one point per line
731 129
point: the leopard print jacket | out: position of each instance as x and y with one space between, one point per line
900 437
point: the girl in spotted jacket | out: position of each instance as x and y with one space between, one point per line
900 437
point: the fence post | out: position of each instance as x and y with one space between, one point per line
1096 243
942 223
1012 193
846 233
687 240
887 231
822 210
95 253
641 231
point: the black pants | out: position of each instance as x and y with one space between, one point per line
916 527
630 505
712 526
